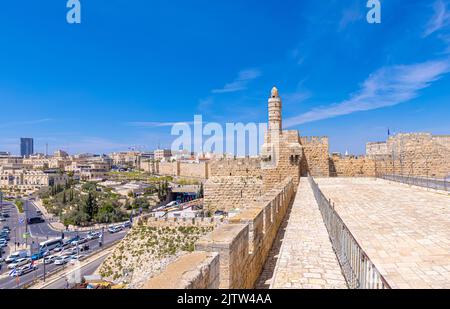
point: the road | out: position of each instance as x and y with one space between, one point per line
88 269
40 232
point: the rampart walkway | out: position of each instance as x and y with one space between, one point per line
404 230
306 259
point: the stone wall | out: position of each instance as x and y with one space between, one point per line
376 149
248 167
196 270
242 246
168 168
316 156
231 192
151 220
179 169
194 170
413 154
352 167
282 156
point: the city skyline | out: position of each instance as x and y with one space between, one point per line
119 79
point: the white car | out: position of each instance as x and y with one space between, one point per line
78 242
114 229
70 251
94 235
19 263
76 258
23 270
63 260
50 259
15 256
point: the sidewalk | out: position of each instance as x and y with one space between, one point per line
306 259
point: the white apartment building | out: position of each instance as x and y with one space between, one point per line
23 179
162 154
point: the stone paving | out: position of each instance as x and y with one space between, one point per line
404 230
306 259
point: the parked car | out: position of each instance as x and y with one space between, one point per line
19 263
114 229
127 224
61 260
3 244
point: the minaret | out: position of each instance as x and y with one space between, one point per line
275 123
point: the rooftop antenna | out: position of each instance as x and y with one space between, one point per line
46 149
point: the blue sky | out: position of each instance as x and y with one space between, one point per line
133 67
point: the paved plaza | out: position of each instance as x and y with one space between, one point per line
306 259
404 230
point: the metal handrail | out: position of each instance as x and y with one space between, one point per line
425 182
358 269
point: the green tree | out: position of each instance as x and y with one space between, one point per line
90 206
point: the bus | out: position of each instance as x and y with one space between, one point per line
50 244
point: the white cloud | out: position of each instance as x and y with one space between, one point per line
386 87
296 97
241 82
440 18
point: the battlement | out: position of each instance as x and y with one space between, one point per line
314 141
152 220
242 247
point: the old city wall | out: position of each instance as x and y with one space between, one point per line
168 168
183 169
413 154
288 161
247 167
316 156
352 167
194 170
231 192
242 246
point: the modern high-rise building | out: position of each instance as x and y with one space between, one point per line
26 147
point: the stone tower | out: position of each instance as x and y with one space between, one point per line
281 153
275 121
